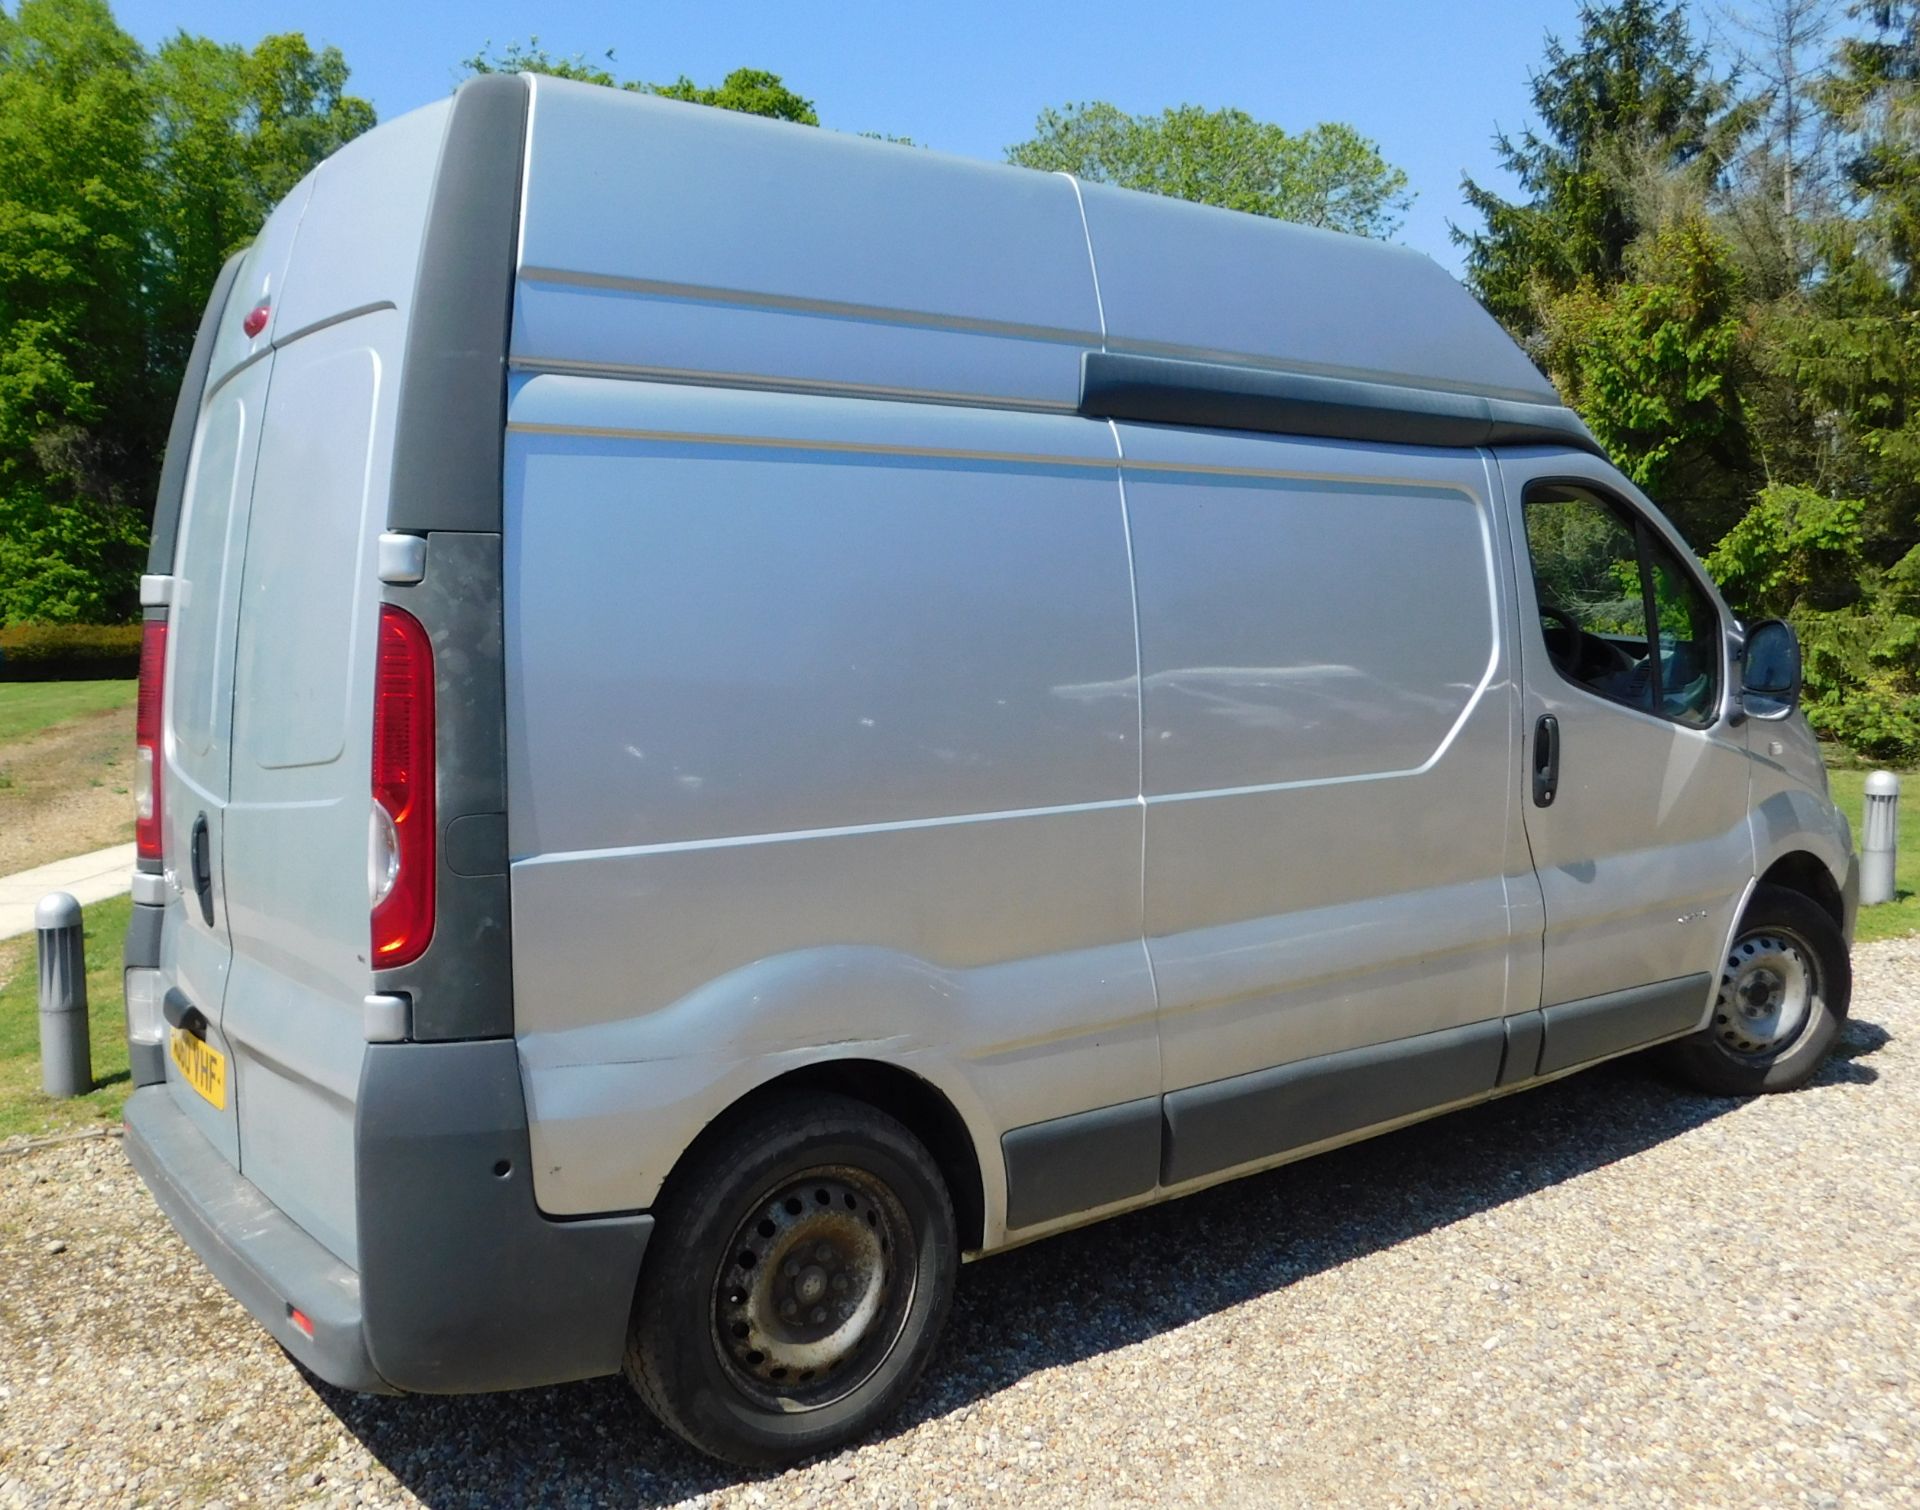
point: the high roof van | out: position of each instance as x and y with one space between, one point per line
733 715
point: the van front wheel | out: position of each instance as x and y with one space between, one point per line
799 1274
1781 997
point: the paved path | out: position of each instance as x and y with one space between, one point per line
91 878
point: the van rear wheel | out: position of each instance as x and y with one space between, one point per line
800 1271
1783 992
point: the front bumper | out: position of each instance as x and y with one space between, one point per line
463 1284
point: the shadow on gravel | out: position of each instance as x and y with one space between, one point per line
1086 1292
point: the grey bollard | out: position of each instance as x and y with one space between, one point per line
66 1052
1879 838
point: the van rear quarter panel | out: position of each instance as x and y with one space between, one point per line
823 742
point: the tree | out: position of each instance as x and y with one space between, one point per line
125 180
1632 100
73 209
1655 365
1786 166
751 91
1328 176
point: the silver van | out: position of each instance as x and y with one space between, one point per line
733 715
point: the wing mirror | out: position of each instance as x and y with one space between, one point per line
1770 668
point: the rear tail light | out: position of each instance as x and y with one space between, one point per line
400 845
146 734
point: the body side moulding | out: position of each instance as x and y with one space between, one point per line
1247 1118
1072 1164
1596 1027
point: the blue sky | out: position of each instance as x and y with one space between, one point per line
1428 81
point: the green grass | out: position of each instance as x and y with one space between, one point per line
1901 916
28 707
22 1108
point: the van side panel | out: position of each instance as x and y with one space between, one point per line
1323 657
823 742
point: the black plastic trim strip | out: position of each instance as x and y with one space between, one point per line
1236 1121
1525 1032
448 477
1223 396
1597 1027
448 448
462 986
172 489
1071 1164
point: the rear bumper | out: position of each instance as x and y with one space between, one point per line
463 1285
265 1261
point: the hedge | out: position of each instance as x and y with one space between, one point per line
69 652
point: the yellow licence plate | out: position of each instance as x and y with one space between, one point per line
201 1065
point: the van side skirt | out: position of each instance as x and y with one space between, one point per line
1069 1165
1248 1117
1076 1163
1596 1027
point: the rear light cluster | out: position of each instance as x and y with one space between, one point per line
146 734
400 847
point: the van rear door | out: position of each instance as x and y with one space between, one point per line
297 834
302 678
197 714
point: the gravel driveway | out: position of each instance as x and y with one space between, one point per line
1606 1289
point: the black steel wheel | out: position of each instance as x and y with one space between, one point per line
800 1270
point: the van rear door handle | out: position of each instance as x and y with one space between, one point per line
1546 760
200 856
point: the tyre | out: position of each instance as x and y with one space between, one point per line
1783 993
799 1274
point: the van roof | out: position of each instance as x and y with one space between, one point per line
661 238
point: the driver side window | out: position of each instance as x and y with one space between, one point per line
1620 615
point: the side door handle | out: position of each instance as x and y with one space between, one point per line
201 858
1546 760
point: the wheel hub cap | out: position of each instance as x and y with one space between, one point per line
1766 992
